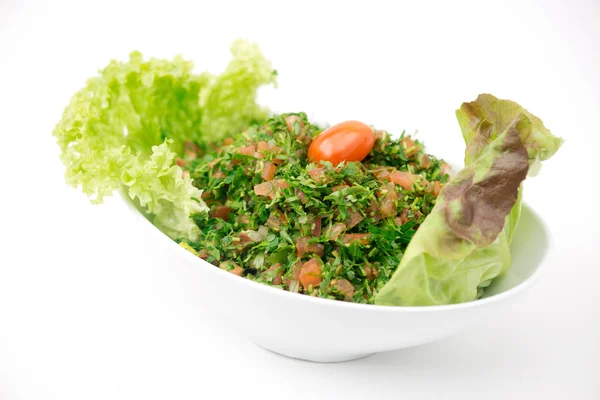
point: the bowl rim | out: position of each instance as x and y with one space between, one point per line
520 287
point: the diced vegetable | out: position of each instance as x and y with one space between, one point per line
310 274
425 161
344 287
403 179
232 267
269 170
249 150
354 219
220 212
276 220
316 230
317 174
409 146
336 230
388 202
303 247
359 238
274 273
271 188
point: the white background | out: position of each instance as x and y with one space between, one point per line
87 311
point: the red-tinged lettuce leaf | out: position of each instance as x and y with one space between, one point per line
464 243
482 120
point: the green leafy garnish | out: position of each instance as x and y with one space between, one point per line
464 243
127 126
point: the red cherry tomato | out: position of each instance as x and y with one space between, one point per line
346 141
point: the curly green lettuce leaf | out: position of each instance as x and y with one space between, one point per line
464 243
161 189
126 126
230 104
121 114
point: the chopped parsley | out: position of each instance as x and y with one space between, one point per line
328 231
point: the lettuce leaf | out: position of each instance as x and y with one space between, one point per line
230 106
482 120
162 191
126 126
512 219
464 243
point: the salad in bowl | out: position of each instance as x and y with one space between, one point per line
348 213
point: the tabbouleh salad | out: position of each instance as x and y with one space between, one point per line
328 231
348 213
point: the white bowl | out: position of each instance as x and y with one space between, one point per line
325 330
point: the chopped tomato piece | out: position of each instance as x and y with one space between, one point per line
180 161
262 147
227 141
269 170
303 247
425 161
409 146
316 231
317 174
403 179
245 238
402 218
232 267
276 220
301 195
220 212
358 238
203 254
388 203
276 272
270 188
339 187
344 287
249 150
276 150
383 173
354 219
310 274
336 230
371 272
301 134
446 169
291 120
243 219
373 211
295 275
436 188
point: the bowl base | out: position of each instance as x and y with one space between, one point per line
324 358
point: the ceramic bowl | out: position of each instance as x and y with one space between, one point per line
325 330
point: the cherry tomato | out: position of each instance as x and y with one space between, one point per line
346 141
